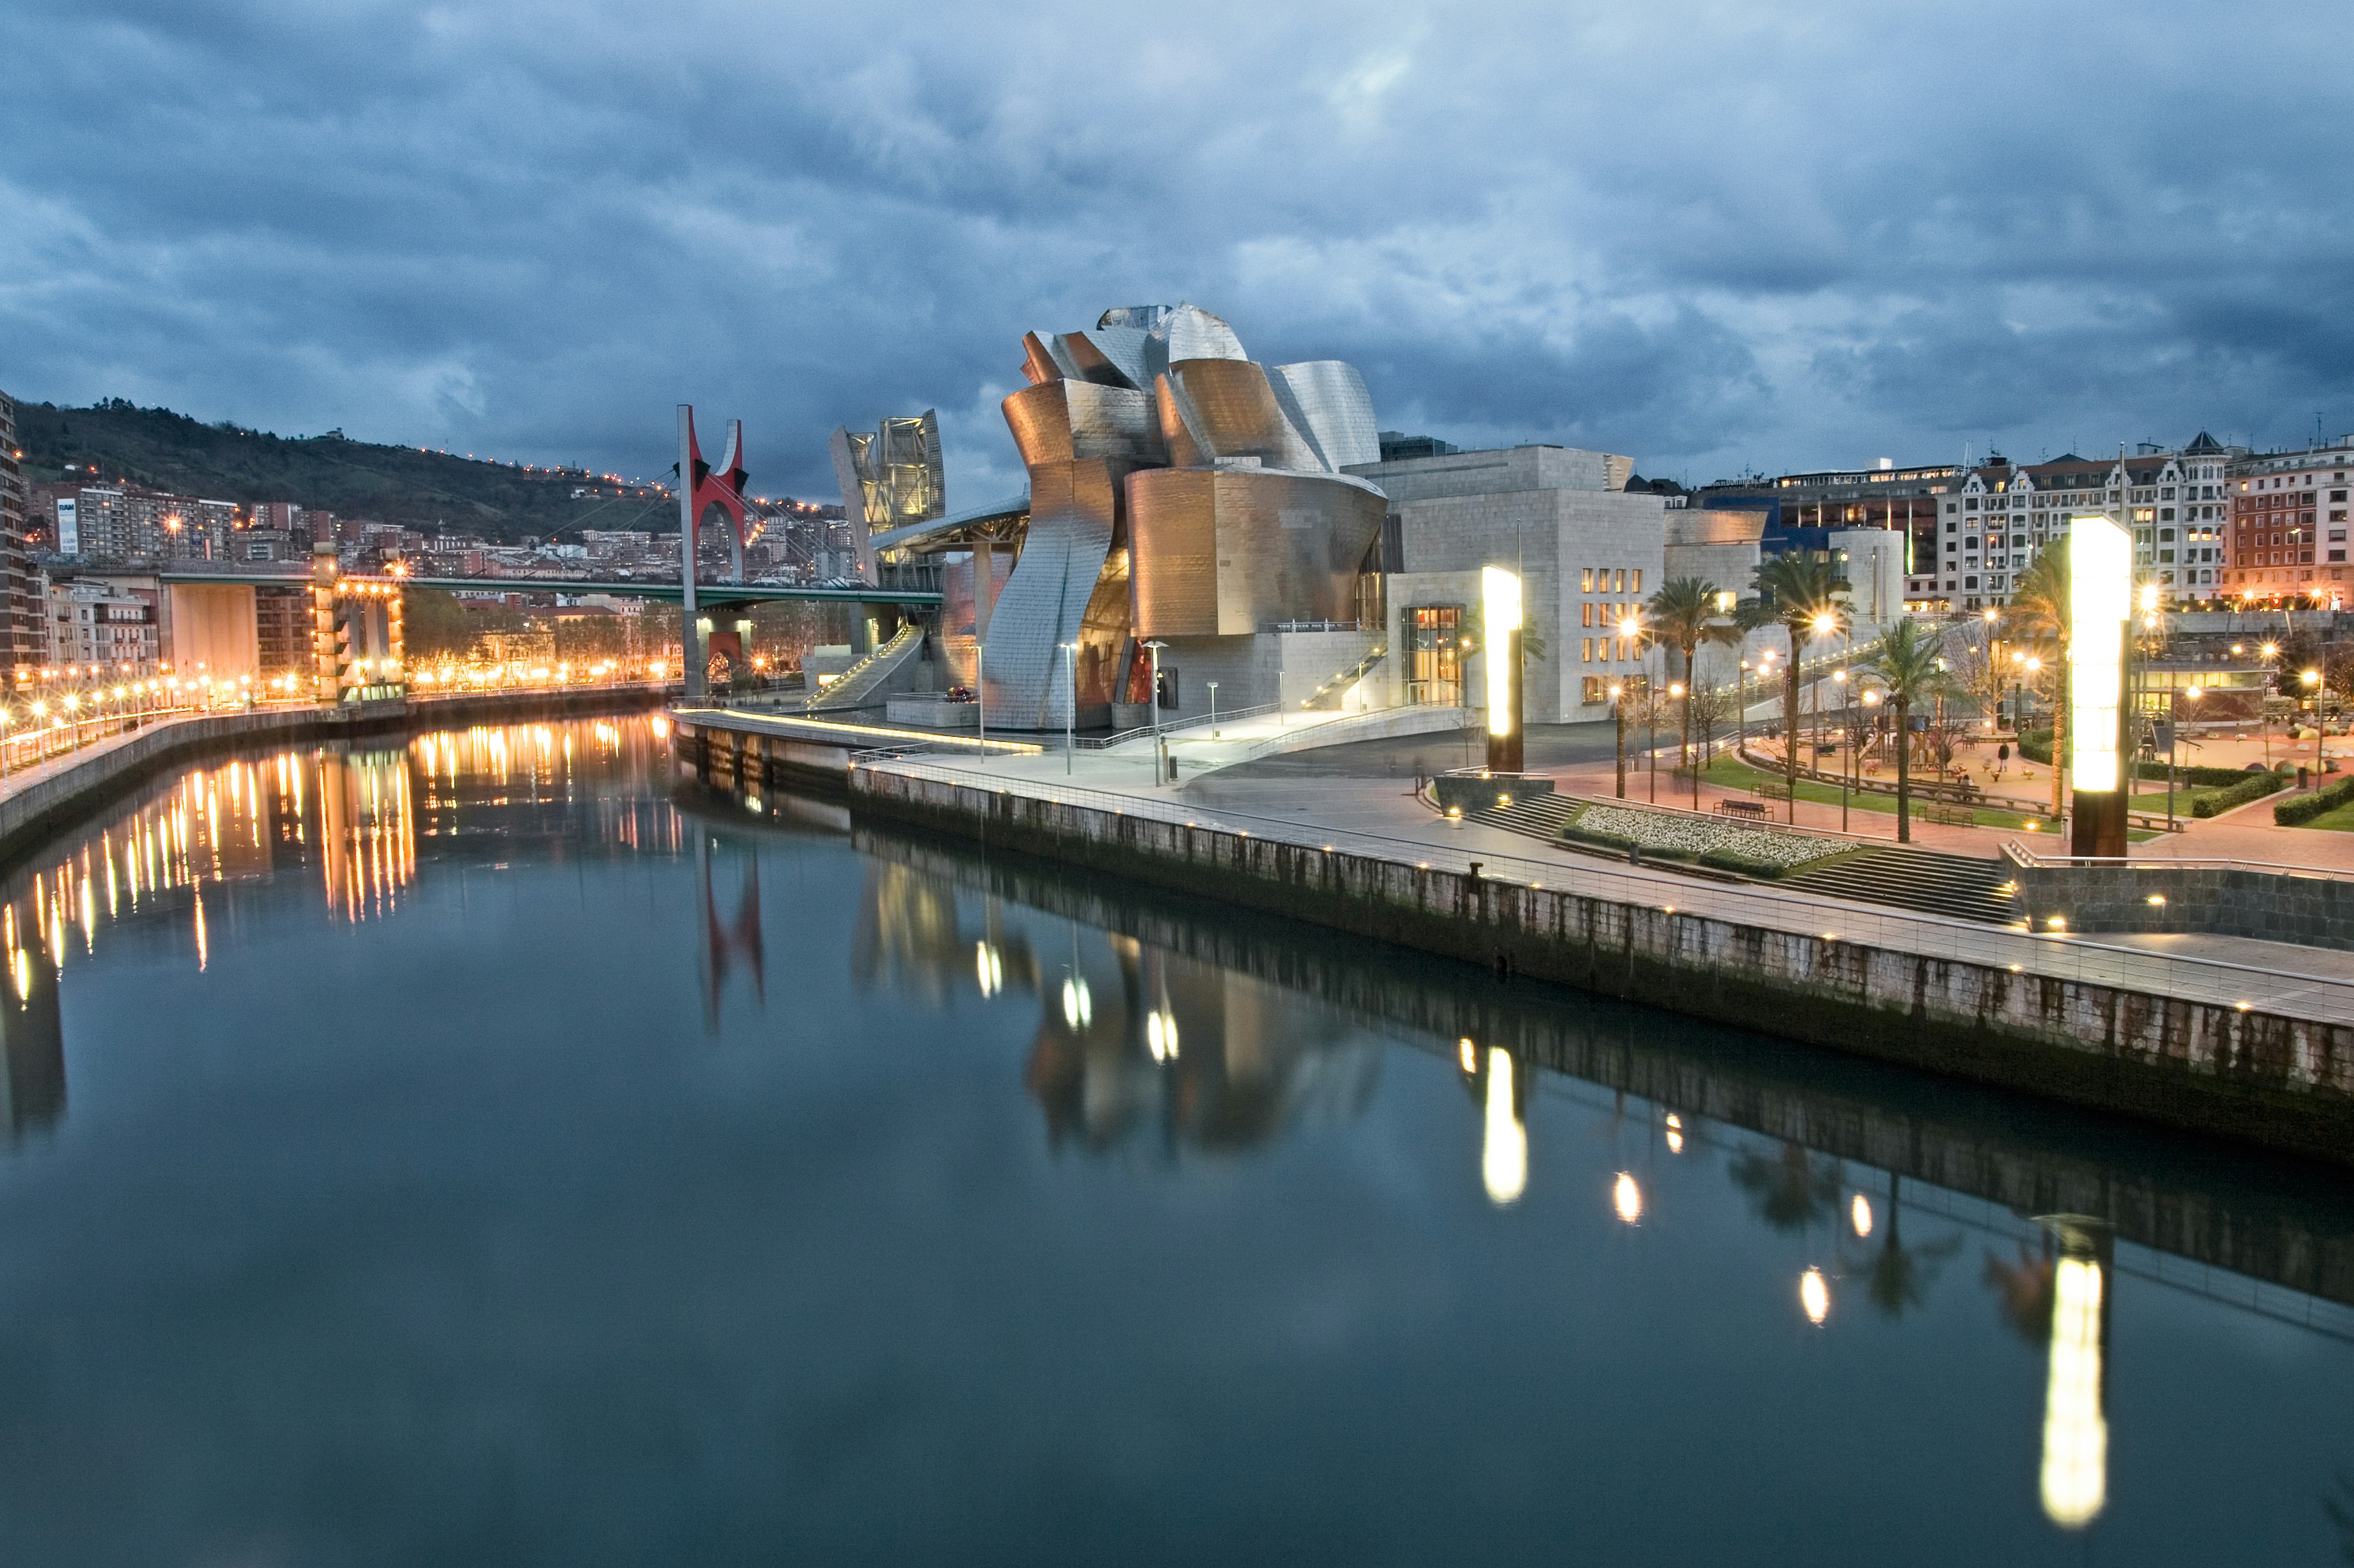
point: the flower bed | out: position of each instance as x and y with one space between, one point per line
1756 852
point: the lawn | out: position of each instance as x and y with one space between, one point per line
1733 774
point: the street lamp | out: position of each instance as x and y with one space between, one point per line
2312 679
1071 712
1153 697
1619 718
1676 691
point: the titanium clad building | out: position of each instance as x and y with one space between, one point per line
1179 494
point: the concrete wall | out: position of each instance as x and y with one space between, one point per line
2311 911
2277 1081
212 627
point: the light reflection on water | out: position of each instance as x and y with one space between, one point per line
1257 1123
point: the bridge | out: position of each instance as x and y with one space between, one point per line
667 592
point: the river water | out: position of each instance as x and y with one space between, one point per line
470 1152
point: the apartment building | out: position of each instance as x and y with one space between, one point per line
2000 515
97 624
20 611
2287 525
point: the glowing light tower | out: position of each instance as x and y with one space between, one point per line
1501 591
2100 602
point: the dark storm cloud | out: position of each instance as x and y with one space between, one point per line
1709 236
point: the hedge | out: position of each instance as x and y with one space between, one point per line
2251 787
2036 747
2304 808
1734 860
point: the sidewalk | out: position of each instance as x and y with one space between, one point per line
1381 818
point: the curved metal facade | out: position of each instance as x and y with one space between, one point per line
1176 489
1227 553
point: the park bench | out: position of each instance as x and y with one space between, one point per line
1742 808
1771 790
1950 816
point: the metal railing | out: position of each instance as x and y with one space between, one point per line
2056 954
2026 856
1222 717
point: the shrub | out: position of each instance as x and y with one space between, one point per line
2251 787
2304 808
1747 864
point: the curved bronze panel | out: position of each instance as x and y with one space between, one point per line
1327 400
1228 552
1037 363
1174 549
1040 419
1071 421
1237 415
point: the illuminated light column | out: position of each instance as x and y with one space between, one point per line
2100 600
1504 1147
690 644
2075 1432
1501 591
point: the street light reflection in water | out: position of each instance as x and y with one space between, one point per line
1234 1166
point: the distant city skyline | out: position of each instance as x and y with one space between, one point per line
1786 241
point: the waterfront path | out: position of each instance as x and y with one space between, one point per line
1381 818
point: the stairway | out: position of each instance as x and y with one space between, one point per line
1956 887
862 684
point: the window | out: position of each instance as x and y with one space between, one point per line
1434 655
1586 650
1585 584
1586 612
1619 585
1638 579
1593 692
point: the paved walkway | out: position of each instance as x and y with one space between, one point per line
1381 817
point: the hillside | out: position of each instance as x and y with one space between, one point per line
164 450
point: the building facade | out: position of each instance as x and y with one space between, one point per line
101 626
1587 554
22 626
2001 515
2287 525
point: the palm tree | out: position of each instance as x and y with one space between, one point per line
1911 671
2038 616
1800 595
1684 614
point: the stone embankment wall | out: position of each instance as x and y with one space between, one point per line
2272 1080
2263 1218
2312 911
30 813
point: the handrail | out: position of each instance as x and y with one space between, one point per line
1226 715
2027 857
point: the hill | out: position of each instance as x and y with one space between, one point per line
166 450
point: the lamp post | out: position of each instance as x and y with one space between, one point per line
1741 710
1619 719
1847 727
1153 649
1213 710
980 697
2312 679
1870 700
1071 709
1676 692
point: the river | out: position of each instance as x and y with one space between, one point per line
474 1151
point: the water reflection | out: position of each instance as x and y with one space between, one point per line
2075 1475
1133 1034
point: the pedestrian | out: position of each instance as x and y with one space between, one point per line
2001 756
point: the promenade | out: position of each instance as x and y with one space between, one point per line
1381 818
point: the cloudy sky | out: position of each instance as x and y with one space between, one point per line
1713 235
